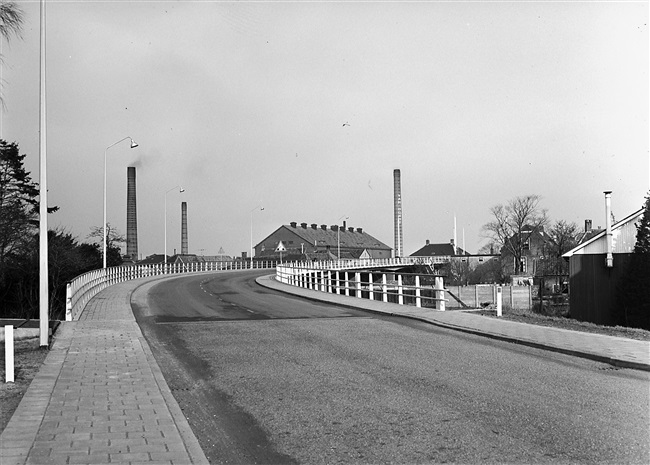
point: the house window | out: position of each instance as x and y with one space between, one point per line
527 244
524 265
480 259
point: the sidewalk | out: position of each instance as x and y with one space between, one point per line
617 351
100 397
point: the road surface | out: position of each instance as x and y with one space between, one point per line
264 377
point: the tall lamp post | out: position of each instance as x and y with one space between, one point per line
180 191
43 301
260 208
133 145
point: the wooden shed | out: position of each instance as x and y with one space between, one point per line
592 282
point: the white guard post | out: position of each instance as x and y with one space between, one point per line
499 300
9 353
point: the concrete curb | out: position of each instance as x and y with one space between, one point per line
189 439
572 352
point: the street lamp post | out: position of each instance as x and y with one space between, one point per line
260 208
43 270
338 236
180 191
133 145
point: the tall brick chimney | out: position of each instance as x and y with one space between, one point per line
131 215
184 228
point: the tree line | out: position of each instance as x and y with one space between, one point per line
19 245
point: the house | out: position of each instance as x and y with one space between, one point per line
592 281
460 263
312 242
535 244
445 250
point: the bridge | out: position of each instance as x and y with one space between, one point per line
355 278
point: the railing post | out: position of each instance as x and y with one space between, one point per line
440 293
418 299
371 289
384 288
347 284
68 302
357 279
400 294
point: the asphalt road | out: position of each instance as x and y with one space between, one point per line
265 377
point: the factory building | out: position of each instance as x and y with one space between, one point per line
313 242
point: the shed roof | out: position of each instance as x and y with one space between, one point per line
623 238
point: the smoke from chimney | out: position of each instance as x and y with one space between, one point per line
397 196
184 228
131 215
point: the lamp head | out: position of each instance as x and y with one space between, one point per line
134 144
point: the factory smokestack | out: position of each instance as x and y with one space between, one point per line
184 228
397 195
131 215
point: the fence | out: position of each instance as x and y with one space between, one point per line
84 287
420 290
483 295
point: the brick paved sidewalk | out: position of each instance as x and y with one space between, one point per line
617 351
100 397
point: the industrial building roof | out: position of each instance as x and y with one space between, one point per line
323 235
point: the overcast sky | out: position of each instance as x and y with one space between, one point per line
246 104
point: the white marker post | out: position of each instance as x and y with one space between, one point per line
499 300
9 353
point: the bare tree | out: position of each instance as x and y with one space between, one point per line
563 235
113 243
513 225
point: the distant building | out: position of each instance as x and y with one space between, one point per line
313 242
446 250
536 247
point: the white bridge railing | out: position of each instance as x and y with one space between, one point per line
353 278
84 287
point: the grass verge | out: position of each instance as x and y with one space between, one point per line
28 358
555 320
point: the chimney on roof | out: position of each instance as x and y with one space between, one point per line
609 260
293 224
359 230
323 227
314 226
335 227
344 225
303 225
427 243
587 225
351 229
